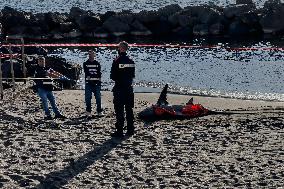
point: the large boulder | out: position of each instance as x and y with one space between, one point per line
34 32
185 31
217 29
269 5
237 10
138 29
193 15
39 19
76 12
208 15
244 2
238 28
146 17
88 23
272 17
71 71
74 33
14 18
100 32
182 20
54 20
168 10
116 26
201 30
107 15
66 27
161 27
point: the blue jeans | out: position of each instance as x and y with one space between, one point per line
47 95
96 89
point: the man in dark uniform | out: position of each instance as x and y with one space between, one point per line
92 69
123 73
44 87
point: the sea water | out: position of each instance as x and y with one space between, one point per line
101 6
219 71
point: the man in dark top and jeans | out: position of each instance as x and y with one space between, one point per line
44 87
92 69
123 73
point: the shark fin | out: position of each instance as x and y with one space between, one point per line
190 102
163 96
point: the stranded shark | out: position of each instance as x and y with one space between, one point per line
163 111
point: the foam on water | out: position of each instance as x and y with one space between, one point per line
210 72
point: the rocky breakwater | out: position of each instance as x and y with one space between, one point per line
240 19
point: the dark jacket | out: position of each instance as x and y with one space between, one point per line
41 73
122 70
92 72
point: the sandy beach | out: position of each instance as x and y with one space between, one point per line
218 151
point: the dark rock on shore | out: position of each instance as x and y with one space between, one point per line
272 17
240 19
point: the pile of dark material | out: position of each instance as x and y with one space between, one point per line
241 19
71 71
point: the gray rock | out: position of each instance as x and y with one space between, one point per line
244 2
238 28
126 18
75 12
107 15
169 10
250 18
209 16
272 18
115 26
88 23
34 32
16 30
185 31
66 27
54 20
238 10
183 18
100 33
217 29
147 16
201 30
138 29
74 33
161 27
272 4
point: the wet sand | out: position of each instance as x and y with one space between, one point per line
216 151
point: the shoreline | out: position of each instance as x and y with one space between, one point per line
216 151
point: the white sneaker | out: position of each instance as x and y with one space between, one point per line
100 114
88 114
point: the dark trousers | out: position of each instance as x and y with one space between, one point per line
123 100
91 89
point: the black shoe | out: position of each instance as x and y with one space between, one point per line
59 116
129 133
48 118
117 135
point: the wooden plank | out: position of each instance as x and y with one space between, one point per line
12 67
1 81
24 59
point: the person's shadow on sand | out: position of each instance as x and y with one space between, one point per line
60 178
80 120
